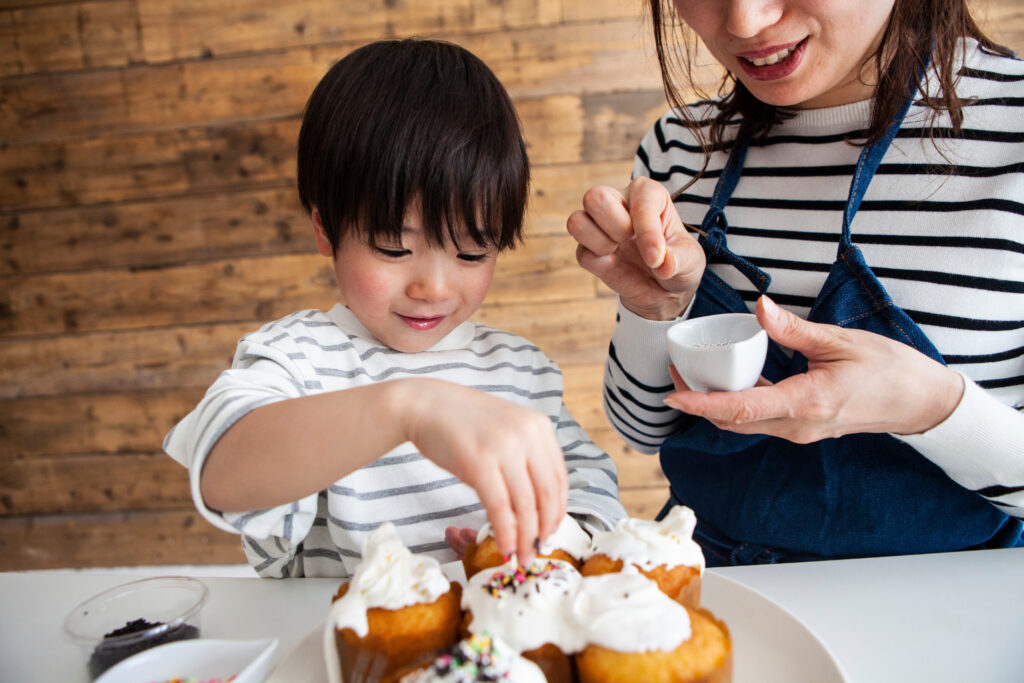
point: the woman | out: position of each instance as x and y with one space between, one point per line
888 418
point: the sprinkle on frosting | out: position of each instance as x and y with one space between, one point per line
478 658
502 582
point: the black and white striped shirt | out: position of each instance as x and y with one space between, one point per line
941 225
321 535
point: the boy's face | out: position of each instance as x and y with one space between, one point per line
410 294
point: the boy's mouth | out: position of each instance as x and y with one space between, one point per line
422 323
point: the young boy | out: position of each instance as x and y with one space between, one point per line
413 169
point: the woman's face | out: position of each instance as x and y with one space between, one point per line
793 53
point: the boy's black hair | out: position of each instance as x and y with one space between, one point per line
403 121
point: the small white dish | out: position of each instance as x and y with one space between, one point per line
723 352
248 661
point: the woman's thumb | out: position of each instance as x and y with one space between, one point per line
791 330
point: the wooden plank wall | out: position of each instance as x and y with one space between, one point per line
149 218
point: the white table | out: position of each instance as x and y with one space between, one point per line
934 618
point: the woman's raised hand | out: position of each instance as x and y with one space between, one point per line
636 244
506 452
856 381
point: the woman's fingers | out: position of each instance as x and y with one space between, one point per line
589 234
814 340
651 214
606 208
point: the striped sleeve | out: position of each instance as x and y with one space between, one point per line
637 380
264 371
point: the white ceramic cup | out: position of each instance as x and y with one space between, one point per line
722 352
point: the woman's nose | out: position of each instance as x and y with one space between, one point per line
747 18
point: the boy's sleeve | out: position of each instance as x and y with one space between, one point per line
261 373
593 478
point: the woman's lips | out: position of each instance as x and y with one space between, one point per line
422 323
785 65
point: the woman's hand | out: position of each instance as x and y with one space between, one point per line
636 244
508 453
856 382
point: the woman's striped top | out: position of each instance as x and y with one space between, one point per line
322 535
941 226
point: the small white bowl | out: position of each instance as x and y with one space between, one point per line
248 661
144 613
723 352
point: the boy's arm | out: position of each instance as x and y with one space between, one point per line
249 449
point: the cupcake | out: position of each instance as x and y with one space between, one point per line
634 632
398 611
530 609
568 543
663 551
478 658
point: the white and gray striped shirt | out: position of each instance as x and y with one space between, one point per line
941 226
310 352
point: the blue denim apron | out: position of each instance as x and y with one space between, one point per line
762 499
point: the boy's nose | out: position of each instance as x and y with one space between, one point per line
431 283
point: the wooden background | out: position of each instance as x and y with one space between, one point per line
149 218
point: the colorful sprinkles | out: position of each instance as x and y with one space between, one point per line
473 659
501 582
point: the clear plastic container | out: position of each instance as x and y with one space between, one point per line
135 616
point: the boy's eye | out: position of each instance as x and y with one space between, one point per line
473 258
393 252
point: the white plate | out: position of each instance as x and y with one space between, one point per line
202 658
770 645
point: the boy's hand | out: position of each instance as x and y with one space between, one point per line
635 242
506 452
459 539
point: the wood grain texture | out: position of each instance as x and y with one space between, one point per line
148 219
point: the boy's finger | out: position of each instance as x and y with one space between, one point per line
524 504
494 496
547 485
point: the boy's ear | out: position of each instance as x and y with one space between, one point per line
323 245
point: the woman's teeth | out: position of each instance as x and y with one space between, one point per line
771 59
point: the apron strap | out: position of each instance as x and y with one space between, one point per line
867 164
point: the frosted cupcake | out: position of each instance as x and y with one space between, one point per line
634 632
530 609
663 551
478 658
569 543
398 611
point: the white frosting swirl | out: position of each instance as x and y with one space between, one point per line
649 544
569 536
389 576
626 612
526 610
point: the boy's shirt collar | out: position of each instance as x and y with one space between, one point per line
459 338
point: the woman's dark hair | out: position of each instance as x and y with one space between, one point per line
918 31
412 122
